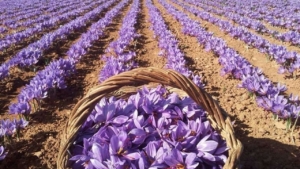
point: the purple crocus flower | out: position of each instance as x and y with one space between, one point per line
279 104
137 136
175 159
3 153
20 108
154 154
83 160
7 127
264 102
119 147
20 124
294 99
206 147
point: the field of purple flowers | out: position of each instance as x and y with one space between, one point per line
246 54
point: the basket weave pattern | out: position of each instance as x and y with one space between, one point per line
127 82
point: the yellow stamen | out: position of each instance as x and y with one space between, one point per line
120 151
179 166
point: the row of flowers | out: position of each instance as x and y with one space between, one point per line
30 18
268 96
8 129
13 9
170 47
19 37
119 57
61 8
34 52
277 13
291 36
289 61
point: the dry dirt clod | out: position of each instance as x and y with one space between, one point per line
261 130
280 125
38 154
245 102
245 96
242 117
239 107
216 61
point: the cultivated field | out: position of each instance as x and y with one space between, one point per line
245 54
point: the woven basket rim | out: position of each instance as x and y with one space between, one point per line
129 82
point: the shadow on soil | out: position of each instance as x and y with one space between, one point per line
27 156
9 90
272 154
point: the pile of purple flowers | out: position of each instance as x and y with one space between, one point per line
152 129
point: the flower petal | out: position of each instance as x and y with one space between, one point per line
120 119
207 146
133 156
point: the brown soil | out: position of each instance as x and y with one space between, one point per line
266 36
146 46
21 28
265 23
269 37
20 77
6 54
256 58
266 142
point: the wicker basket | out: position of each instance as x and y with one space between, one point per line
127 83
